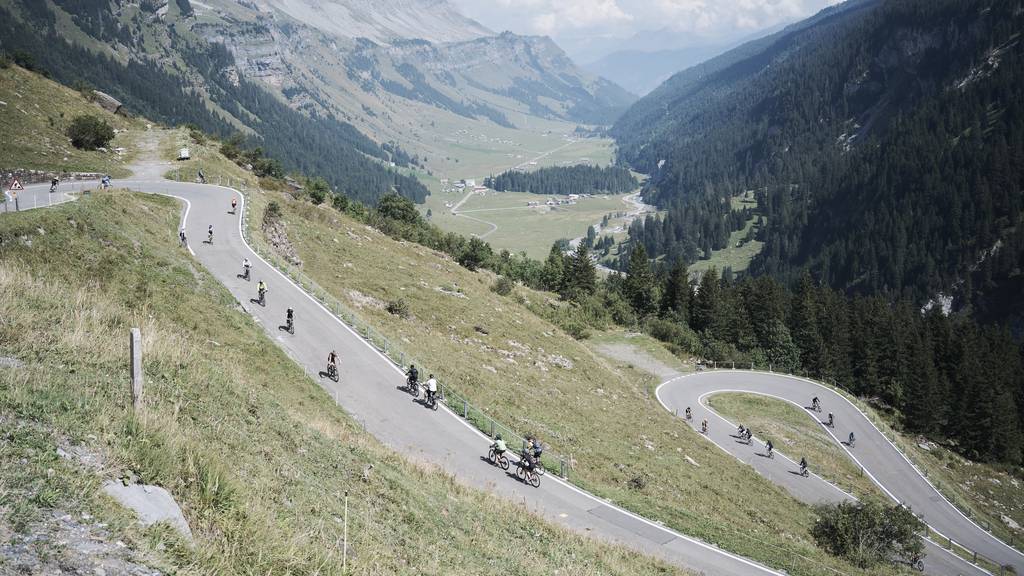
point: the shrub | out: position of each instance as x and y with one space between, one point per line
868 533
272 214
399 308
89 132
317 188
503 286
340 202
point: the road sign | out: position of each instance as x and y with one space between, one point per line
16 185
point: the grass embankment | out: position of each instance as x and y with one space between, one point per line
34 116
527 373
254 451
796 435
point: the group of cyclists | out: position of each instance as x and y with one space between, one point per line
529 467
412 382
55 181
746 435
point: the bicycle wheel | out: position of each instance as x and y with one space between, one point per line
534 479
490 456
503 462
539 470
521 472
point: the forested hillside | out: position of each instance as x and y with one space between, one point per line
581 179
884 141
188 80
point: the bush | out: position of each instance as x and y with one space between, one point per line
399 308
89 132
503 286
868 533
272 214
317 188
340 202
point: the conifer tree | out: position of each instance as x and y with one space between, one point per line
639 284
581 280
551 274
676 293
706 311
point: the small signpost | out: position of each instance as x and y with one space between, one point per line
13 193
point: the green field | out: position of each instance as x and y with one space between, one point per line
505 221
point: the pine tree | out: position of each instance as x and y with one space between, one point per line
705 312
639 285
581 280
804 325
553 271
676 293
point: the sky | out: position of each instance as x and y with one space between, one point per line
579 24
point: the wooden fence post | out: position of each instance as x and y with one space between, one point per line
136 351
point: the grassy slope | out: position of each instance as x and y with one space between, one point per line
34 120
624 445
796 435
254 451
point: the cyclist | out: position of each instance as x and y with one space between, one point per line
689 414
852 440
53 185
831 421
498 446
181 236
209 234
748 435
704 426
538 449
527 459
769 447
332 362
105 181
741 431
246 268
431 389
261 289
412 377
803 466
234 204
290 320
816 404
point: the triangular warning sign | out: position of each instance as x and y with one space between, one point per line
17 186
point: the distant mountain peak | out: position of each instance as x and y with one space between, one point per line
383 22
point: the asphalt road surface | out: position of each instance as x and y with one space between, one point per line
879 458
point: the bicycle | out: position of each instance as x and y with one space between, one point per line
498 459
332 372
528 476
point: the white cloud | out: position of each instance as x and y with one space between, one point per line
711 17
553 16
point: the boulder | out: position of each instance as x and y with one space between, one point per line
107 102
